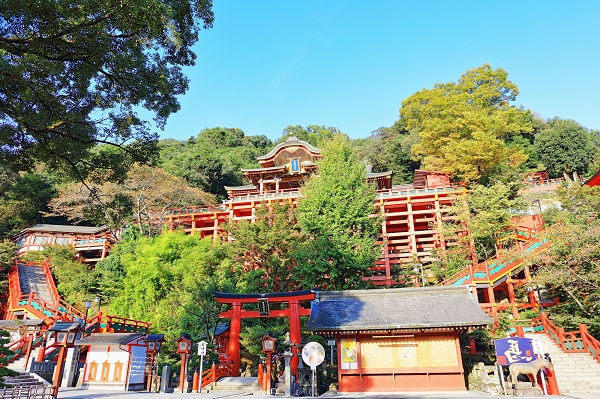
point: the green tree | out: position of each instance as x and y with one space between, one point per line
73 76
335 212
565 146
390 149
163 276
464 126
4 352
313 134
23 199
146 194
214 158
8 252
263 249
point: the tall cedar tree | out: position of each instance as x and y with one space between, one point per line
335 212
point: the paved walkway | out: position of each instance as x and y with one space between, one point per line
73 393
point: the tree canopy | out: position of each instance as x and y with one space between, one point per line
335 211
463 126
564 146
75 75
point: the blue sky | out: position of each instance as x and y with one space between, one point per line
349 64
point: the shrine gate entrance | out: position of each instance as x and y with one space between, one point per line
236 314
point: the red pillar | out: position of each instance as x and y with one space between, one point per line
233 346
58 371
183 372
511 298
42 352
295 335
492 299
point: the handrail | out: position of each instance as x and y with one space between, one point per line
213 374
579 341
50 281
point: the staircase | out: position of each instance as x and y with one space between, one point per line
575 372
33 279
234 384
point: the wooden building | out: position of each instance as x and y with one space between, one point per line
396 340
91 243
114 361
412 214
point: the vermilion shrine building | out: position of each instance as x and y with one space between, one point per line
412 213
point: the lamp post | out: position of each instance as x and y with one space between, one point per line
64 337
97 300
268 346
88 305
416 270
184 348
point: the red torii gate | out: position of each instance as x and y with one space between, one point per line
236 314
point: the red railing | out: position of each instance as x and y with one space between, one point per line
213 374
579 341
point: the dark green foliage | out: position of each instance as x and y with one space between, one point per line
74 76
390 149
4 351
7 259
213 159
74 280
263 249
314 134
564 146
23 199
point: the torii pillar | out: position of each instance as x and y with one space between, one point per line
236 314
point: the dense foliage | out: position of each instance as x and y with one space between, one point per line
464 126
335 211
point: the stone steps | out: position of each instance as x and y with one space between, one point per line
234 384
575 372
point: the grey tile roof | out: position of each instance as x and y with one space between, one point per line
393 309
108 339
57 228
16 324
65 326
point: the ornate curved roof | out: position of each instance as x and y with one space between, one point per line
291 141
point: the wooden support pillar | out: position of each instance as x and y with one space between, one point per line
295 334
491 298
439 227
411 228
233 348
386 249
215 229
511 297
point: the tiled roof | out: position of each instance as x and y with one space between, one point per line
109 339
393 309
57 228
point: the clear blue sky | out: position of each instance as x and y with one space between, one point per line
349 64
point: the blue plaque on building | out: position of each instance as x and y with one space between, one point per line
514 350
295 165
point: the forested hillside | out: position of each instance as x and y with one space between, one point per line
470 128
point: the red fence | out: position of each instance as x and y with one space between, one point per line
578 341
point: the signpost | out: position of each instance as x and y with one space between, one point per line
201 353
313 354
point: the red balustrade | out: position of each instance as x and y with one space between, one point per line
578 341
